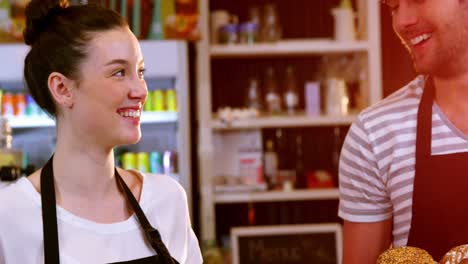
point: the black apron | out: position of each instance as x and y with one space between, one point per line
49 222
440 197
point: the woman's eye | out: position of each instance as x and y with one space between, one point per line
119 73
141 73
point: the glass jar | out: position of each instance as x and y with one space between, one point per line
228 34
249 33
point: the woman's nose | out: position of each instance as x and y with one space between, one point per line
138 90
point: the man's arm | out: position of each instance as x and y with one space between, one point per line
364 242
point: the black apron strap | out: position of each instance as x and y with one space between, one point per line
49 215
49 219
424 124
152 234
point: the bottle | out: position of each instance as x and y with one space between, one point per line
271 164
19 104
254 15
5 21
136 18
212 254
271 28
272 98
6 136
299 160
8 105
11 160
336 150
18 18
123 9
156 28
253 95
290 97
280 148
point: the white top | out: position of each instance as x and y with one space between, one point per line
162 200
377 163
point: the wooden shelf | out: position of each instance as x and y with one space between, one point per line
300 120
45 121
278 196
288 48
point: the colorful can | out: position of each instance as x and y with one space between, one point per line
158 100
171 100
129 161
149 102
31 106
7 106
142 161
156 162
170 164
19 104
1 100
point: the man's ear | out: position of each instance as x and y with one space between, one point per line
60 88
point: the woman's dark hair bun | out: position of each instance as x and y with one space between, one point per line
38 15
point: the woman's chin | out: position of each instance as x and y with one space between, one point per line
131 139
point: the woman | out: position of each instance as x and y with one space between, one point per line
85 68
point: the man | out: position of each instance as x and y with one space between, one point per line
404 163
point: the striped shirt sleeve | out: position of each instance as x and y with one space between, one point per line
363 194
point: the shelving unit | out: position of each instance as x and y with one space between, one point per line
277 196
287 48
298 120
209 127
164 60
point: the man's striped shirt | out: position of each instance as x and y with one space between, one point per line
377 163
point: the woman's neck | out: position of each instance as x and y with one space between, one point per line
82 170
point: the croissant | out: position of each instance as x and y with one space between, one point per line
414 255
456 255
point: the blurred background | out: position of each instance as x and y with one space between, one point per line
249 103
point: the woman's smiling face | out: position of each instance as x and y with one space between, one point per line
110 94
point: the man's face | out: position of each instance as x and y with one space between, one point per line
435 33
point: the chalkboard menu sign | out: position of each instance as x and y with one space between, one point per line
287 244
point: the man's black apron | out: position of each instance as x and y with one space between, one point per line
440 200
49 222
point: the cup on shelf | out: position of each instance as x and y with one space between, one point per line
249 33
336 97
228 34
345 29
312 98
218 19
